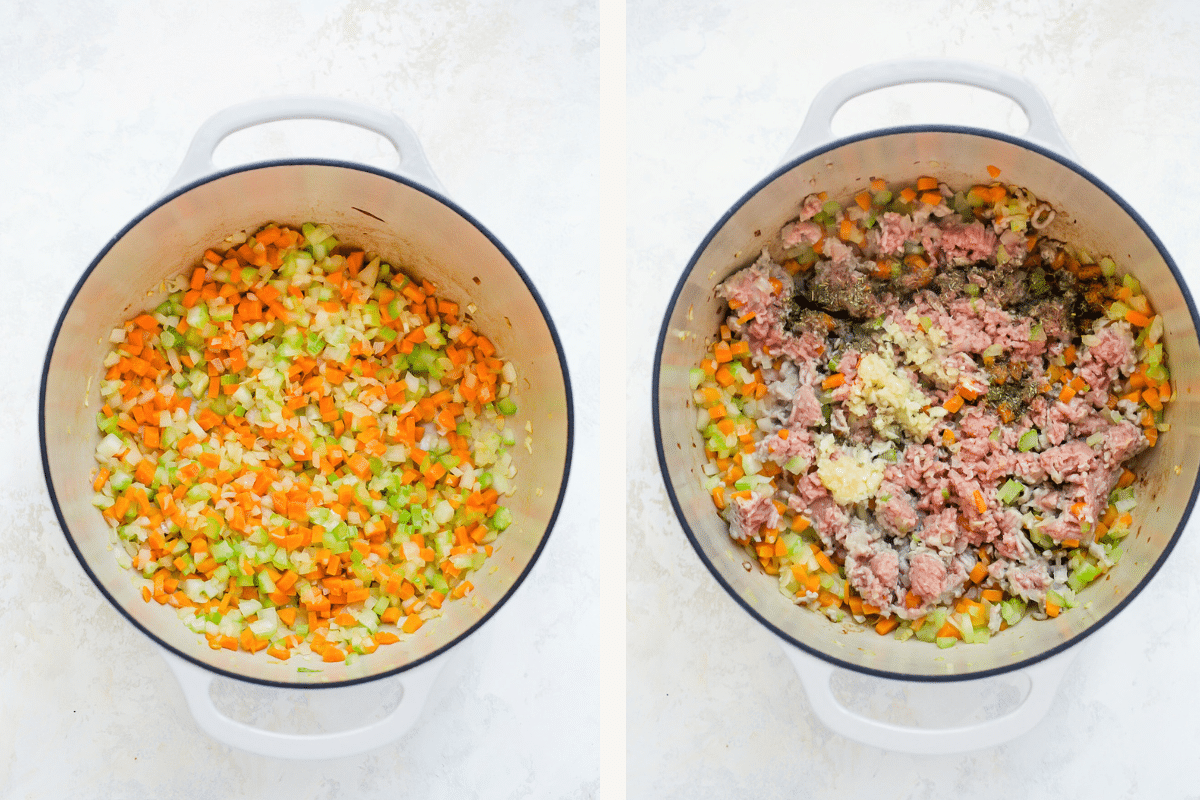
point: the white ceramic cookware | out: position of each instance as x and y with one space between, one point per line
1091 215
403 215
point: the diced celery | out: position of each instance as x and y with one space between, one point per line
120 481
1158 372
501 519
796 465
264 582
1041 539
1010 491
1082 576
933 623
221 551
197 315
1012 610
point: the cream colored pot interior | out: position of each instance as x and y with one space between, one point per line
421 234
1089 216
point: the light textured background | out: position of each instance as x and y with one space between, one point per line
100 101
716 93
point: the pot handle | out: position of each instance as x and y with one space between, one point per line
1044 679
816 129
197 682
197 162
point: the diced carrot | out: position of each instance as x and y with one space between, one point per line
823 560
886 625
1136 318
949 630
833 381
144 472
828 599
282 653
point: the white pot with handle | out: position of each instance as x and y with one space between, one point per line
1091 215
403 215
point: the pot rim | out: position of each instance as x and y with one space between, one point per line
658 438
412 184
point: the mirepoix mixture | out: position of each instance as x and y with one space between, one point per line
920 409
303 449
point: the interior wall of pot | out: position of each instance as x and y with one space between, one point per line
409 229
1087 216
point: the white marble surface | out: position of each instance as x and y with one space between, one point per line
716 93
100 101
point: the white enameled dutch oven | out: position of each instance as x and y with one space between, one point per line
1091 215
404 216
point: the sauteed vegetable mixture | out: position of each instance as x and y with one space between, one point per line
303 446
920 409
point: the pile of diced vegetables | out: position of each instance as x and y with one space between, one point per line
303 448
728 391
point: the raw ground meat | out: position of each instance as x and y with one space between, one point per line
994 435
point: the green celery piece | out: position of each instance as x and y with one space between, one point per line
1081 577
501 519
1010 491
